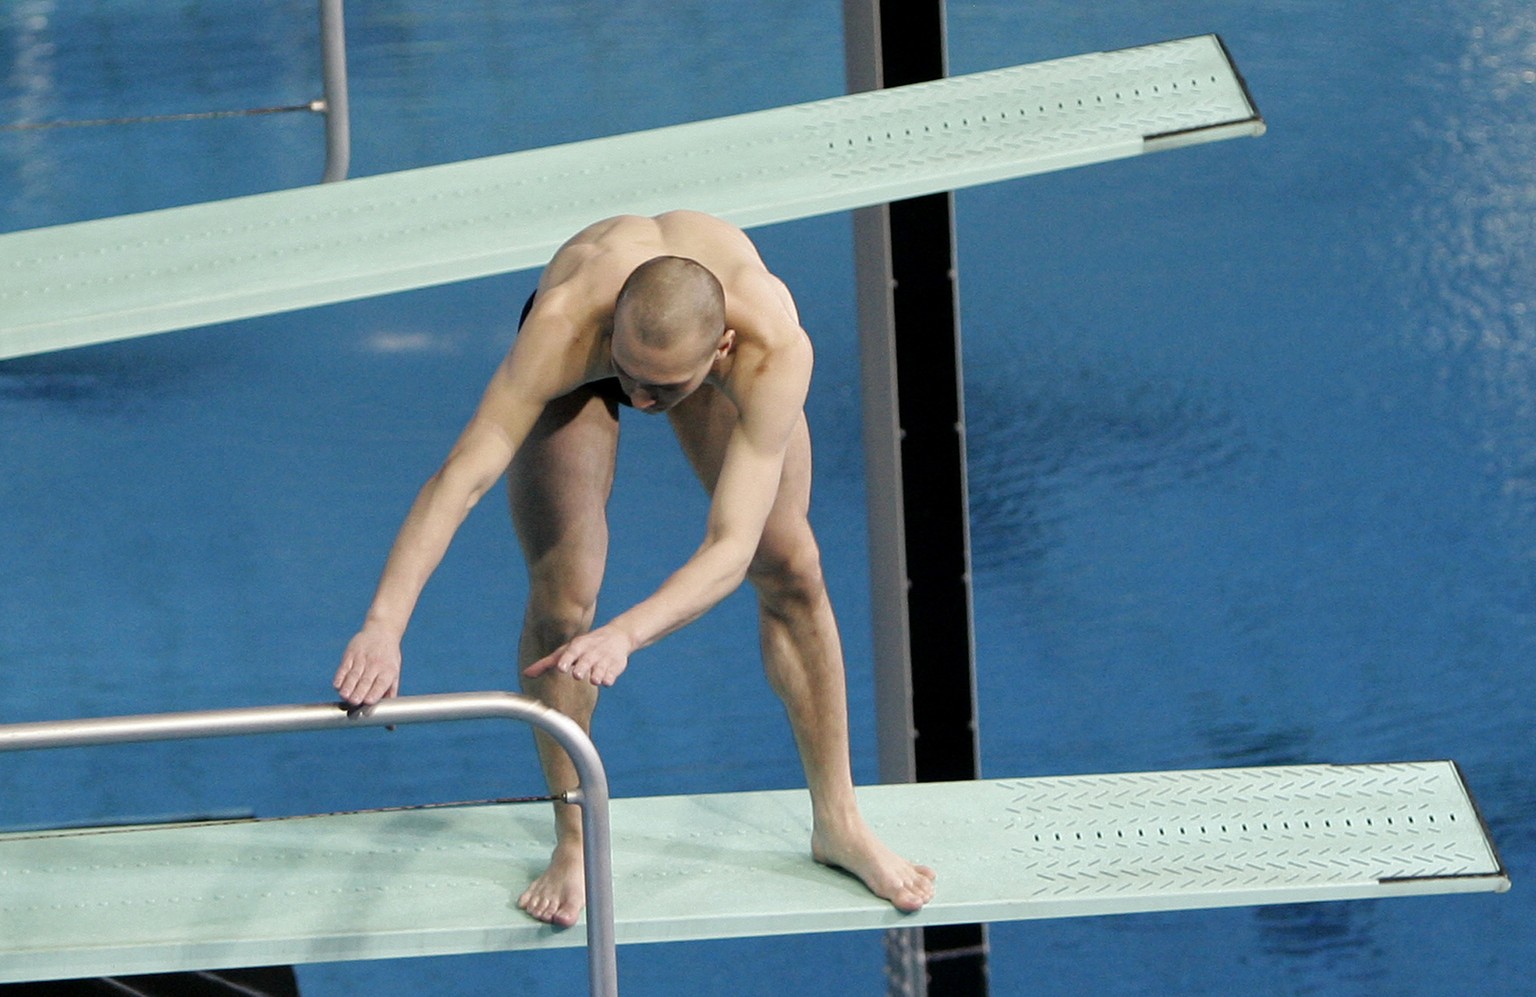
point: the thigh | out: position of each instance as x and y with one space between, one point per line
561 477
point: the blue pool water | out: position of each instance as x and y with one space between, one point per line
1252 442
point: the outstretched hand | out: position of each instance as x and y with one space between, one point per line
370 668
598 657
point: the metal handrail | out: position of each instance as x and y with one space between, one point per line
333 59
333 103
591 794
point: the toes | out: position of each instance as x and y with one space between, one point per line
917 891
552 905
534 907
537 905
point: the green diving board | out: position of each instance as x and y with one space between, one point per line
133 275
444 880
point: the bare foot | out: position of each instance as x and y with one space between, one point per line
558 896
856 850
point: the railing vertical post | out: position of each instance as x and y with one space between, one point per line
333 56
597 855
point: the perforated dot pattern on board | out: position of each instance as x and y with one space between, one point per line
134 275
406 883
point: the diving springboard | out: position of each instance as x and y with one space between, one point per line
445 880
133 275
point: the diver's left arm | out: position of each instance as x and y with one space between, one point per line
743 498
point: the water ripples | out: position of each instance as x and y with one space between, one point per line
1468 259
1042 428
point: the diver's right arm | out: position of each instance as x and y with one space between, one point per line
370 666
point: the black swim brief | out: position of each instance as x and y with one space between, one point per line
608 388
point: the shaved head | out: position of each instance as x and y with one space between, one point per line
672 302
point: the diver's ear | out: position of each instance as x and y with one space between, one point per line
726 344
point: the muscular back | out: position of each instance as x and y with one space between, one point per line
566 336
603 254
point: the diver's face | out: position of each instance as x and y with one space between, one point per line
656 379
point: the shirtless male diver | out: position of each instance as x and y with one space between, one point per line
673 314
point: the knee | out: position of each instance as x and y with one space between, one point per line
561 606
788 576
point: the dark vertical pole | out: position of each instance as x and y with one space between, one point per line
915 457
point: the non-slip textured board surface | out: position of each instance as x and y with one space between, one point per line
133 275
442 881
